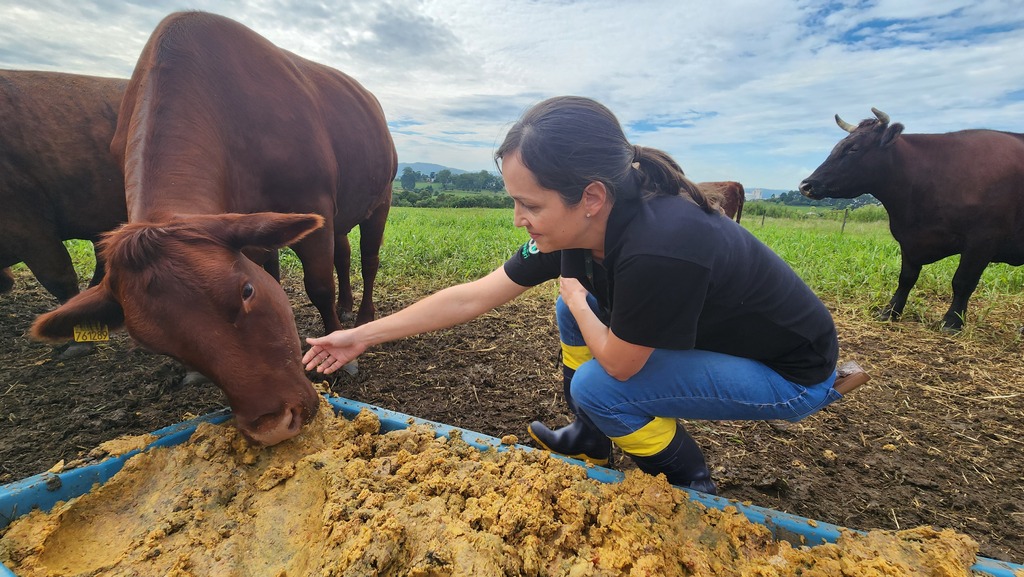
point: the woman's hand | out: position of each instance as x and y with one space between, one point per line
330 353
618 358
573 293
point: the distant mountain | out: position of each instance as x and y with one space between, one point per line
426 168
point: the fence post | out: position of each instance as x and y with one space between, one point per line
846 213
762 217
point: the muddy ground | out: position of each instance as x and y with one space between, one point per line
933 439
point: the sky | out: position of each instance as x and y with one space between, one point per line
732 89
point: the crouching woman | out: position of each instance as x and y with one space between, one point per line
667 310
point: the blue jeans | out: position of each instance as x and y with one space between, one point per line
692 384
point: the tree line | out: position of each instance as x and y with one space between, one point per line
445 180
446 190
794 198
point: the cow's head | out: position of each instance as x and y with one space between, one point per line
183 288
859 163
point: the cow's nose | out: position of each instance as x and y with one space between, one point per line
807 188
272 428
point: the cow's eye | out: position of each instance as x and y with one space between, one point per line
247 291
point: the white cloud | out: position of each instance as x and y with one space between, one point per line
735 90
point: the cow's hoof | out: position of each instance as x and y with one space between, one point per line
952 323
75 350
886 314
194 378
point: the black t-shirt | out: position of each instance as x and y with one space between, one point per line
675 277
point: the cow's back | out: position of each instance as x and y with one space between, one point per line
362 143
56 171
255 128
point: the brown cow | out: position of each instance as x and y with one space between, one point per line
58 180
955 193
217 124
729 194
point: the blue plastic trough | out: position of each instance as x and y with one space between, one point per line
46 489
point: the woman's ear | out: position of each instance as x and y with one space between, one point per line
595 197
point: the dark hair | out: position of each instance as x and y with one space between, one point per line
567 142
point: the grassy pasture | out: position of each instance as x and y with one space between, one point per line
853 268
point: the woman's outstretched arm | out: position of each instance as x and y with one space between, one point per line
446 308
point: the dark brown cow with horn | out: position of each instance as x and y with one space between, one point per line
955 193
231 144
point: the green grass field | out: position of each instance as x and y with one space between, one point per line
853 267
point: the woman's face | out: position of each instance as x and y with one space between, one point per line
552 225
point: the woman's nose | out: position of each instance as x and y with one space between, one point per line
517 218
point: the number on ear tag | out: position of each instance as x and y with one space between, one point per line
91 332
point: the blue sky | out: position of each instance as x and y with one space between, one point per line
734 90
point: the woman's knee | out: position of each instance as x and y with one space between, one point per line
568 330
561 309
589 387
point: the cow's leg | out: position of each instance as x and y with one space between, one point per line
317 265
273 265
343 266
965 280
371 237
908 278
52 267
101 267
268 258
316 252
6 279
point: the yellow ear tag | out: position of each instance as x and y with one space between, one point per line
91 332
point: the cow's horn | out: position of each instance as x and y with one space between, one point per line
881 116
845 125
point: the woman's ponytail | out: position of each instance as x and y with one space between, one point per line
660 175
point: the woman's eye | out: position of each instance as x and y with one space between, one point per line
247 291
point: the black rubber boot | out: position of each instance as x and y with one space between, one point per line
682 462
580 439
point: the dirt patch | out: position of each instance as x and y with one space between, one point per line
933 439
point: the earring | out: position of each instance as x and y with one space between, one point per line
588 215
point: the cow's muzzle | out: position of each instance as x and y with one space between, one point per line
807 188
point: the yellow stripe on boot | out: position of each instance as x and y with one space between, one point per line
649 439
574 356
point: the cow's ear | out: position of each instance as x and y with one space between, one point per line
94 307
892 132
268 229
